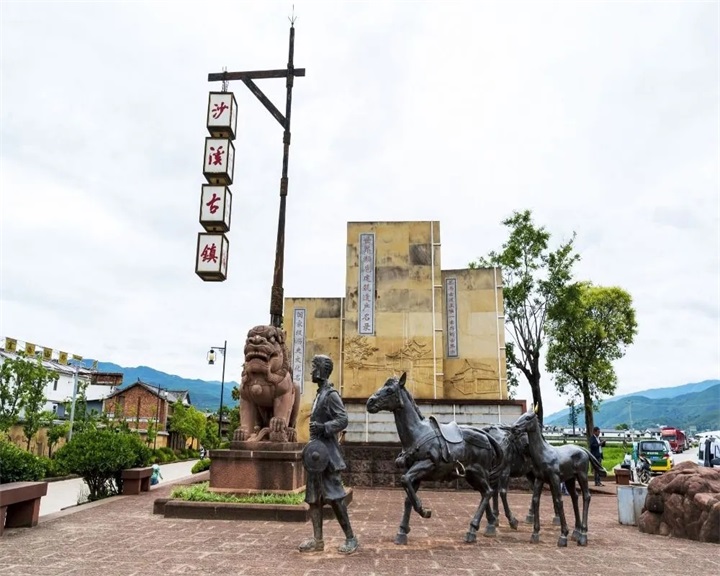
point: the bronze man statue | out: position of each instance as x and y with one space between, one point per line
323 461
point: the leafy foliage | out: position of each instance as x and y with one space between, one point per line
533 278
22 388
200 493
188 421
201 466
55 433
589 328
100 455
17 465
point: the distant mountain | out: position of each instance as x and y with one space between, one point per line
204 394
696 404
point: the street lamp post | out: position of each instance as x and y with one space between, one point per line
211 361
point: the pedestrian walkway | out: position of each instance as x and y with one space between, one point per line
67 493
122 537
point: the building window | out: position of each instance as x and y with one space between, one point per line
55 385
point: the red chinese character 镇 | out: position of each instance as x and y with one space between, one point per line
218 110
215 157
213 203
209 253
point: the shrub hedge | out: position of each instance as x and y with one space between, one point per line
17 465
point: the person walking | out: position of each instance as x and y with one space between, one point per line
596 446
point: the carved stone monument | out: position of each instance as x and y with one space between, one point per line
263 456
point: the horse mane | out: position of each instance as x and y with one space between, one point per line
409 398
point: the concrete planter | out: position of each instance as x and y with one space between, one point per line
174 508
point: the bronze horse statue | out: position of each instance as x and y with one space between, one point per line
434 451
556 464
516 456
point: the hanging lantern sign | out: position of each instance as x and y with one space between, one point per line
222 115
215 208
212 257
219 161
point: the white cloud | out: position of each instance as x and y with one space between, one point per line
602 118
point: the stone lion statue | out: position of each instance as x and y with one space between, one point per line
270 399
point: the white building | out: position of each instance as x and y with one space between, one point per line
60 391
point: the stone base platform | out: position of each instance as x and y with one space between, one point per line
172 508
255 467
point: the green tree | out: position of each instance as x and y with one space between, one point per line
533 278
622 426
188 421
573 414
55 433
22 388
589 328
211 440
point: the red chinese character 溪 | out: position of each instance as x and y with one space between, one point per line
212 203
215 157
209 253
218 110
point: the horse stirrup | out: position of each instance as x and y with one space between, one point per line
460 469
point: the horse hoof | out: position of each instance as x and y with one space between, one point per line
490 531
582 540
562 542
400 538
529 519
513 523
535 538
470 537
556 521
426 513
575 535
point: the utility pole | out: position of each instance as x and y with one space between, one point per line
276 293
74 399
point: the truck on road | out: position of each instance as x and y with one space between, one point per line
675 437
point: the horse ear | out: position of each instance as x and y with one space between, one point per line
402 380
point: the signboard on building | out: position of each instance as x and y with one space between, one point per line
298 347
366 284
451 317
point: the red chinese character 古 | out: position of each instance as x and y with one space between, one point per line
212 203
209 253
215 157
218 110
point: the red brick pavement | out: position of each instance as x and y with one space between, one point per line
123 538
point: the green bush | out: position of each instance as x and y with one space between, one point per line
100 456
53 468
17 465
224 445
201 466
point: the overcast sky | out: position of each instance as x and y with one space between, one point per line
603 118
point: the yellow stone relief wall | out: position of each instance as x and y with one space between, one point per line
403 336
322 335
478 371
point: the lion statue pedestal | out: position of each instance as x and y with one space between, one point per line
264 455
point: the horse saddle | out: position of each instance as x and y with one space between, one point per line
450 432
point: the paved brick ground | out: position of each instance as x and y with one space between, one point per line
123 538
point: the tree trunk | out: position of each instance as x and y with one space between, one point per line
534 380
589 417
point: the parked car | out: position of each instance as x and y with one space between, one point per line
658 452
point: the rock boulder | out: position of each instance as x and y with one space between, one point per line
684 503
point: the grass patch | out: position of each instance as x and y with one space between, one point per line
200 493
613 454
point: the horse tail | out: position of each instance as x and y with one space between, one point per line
595 463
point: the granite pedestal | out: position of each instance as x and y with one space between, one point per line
257 467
